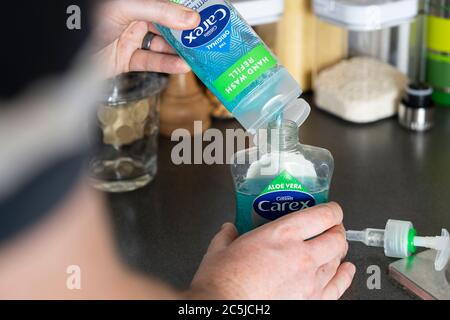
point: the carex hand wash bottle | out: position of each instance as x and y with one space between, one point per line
234 63
280 175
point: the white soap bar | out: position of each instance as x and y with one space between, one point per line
360 90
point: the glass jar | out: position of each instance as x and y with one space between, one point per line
279 176
125 156
365 80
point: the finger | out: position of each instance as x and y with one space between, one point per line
326 272
312 221
152 28
126 45
143 60
159 44
340 282
163 12
329 245
224 238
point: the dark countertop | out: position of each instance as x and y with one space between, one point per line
381 171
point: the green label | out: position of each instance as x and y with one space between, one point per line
284 195
246 70
438 70
284 181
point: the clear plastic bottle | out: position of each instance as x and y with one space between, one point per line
234 63
279 177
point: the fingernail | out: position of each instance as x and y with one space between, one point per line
352 269
190 17
224 225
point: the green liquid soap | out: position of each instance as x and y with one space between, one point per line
247 218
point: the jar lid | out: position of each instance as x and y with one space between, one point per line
366 15
258 12
133 86
418 95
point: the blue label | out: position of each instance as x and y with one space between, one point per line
276 204
213 33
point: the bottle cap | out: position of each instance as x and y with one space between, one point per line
297 111
396 238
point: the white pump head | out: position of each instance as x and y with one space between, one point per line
399 240
440 244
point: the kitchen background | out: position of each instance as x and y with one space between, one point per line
359 62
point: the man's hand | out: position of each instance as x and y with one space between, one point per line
122 26
277 261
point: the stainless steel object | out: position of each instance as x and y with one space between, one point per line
416 111
415 119
417 275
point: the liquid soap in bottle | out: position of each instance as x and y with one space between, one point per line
279 177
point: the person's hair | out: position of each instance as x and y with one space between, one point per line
36 41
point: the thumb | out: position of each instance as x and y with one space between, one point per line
224 238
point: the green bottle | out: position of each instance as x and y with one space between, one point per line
438 50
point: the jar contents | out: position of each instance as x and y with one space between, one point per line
125 124
360 89
382 50
125 155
